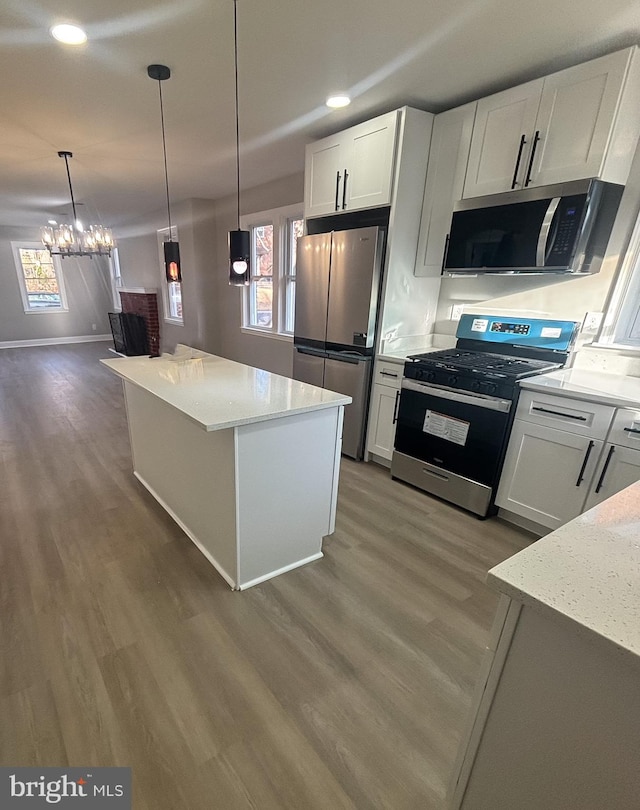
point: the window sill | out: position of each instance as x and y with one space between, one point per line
248 330
616 348
173 321
45 311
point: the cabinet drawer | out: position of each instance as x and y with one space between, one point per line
388 373
573 415
625 429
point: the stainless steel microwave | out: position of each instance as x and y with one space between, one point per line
562 228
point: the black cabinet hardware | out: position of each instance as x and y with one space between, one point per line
559 413
344 190
337 190
536 139
523 140
584 464
612 450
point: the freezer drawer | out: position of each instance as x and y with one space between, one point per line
353 378
309 368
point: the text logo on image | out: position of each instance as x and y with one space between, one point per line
33 788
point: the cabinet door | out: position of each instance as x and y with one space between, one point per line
577 114
382 427
448 158
618 468
323 176
369 163
546 473
495 158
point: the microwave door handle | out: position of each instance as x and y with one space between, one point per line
543 236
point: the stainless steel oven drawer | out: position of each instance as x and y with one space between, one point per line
452 487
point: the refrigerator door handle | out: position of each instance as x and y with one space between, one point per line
344 357
311 350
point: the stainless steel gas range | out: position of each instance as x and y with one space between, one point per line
456 406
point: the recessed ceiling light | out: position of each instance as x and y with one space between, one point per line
52 222
338 100
69 34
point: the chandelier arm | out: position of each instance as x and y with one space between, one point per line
164 152
73 202
235 49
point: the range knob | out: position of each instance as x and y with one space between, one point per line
452 379
490 388
476 385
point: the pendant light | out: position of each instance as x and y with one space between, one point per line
76 239
161 73
239 241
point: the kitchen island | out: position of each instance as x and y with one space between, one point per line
245 461
556 723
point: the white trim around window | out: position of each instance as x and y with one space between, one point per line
268 302
171 290
35 302
621 328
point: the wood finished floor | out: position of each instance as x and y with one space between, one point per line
344 684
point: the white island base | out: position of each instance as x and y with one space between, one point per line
256 493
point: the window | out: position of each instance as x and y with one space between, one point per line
269 300
622 323
171 290
116 278
40 278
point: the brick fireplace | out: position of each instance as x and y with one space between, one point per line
144 301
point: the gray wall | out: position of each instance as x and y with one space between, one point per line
254 350
87 284
211 308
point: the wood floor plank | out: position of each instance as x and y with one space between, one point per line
344 684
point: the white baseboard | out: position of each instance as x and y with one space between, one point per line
18 344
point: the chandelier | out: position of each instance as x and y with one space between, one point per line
76 239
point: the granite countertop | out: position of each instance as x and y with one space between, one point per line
587 573
596 386
217 393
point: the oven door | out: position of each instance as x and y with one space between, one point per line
457 431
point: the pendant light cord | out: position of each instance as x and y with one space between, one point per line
235 47
164 151
73 202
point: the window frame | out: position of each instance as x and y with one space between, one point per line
623 307
162 234
57 266
280 218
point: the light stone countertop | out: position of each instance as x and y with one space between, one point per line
217 393
595 386
587 572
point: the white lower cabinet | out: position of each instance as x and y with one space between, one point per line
383 411
546 473
619 463
566 456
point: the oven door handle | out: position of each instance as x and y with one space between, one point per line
477 400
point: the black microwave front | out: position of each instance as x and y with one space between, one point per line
562 228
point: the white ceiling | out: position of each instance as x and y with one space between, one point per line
97 101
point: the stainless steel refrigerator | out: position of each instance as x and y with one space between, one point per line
337 291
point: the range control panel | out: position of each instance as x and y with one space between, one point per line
539 333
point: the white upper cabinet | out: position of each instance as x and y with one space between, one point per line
501 140
576 119
448 155
353 169
577 123
322 176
